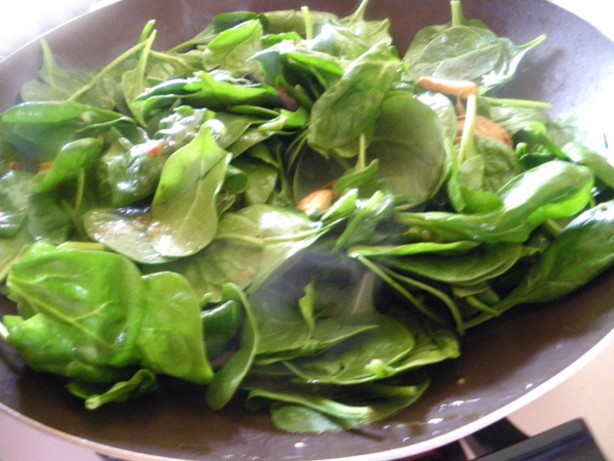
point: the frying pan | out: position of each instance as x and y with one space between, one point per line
504 365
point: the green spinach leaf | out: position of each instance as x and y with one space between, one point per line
184 214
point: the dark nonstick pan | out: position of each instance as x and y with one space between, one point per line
504 365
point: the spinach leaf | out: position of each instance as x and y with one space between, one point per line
14 192
12 249
500 163
233 256
123 231
171 335
321 413
50 219
72 159
133 81
516 119
444 109
337 40
285 417
348 108
582 251
302 72
598 163
362 225
479 168
371 31
553 190
281 21
284 233
465 50
349 362
129 170
221 324
229 378
409 145
151 321
217 90
55 289
183 210
143 382
249 246
58 84
228 129
309 325
433 344
320 408
36 339
261 181
410 249
232 48
218 24
475 266
43 128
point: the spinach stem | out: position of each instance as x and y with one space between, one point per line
256 241
260 241
363 299
362 154
322 404
400 289
48 59
451 305
86 246
474 322
297 236
528 103
458 17
539 132
308 22
73 216
552 227
533 43
147 30
361 10
116 62
80 190
500 308
467 148
485 308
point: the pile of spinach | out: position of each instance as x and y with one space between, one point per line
277 210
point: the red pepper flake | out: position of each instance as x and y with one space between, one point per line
287 100
156 150
44 166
